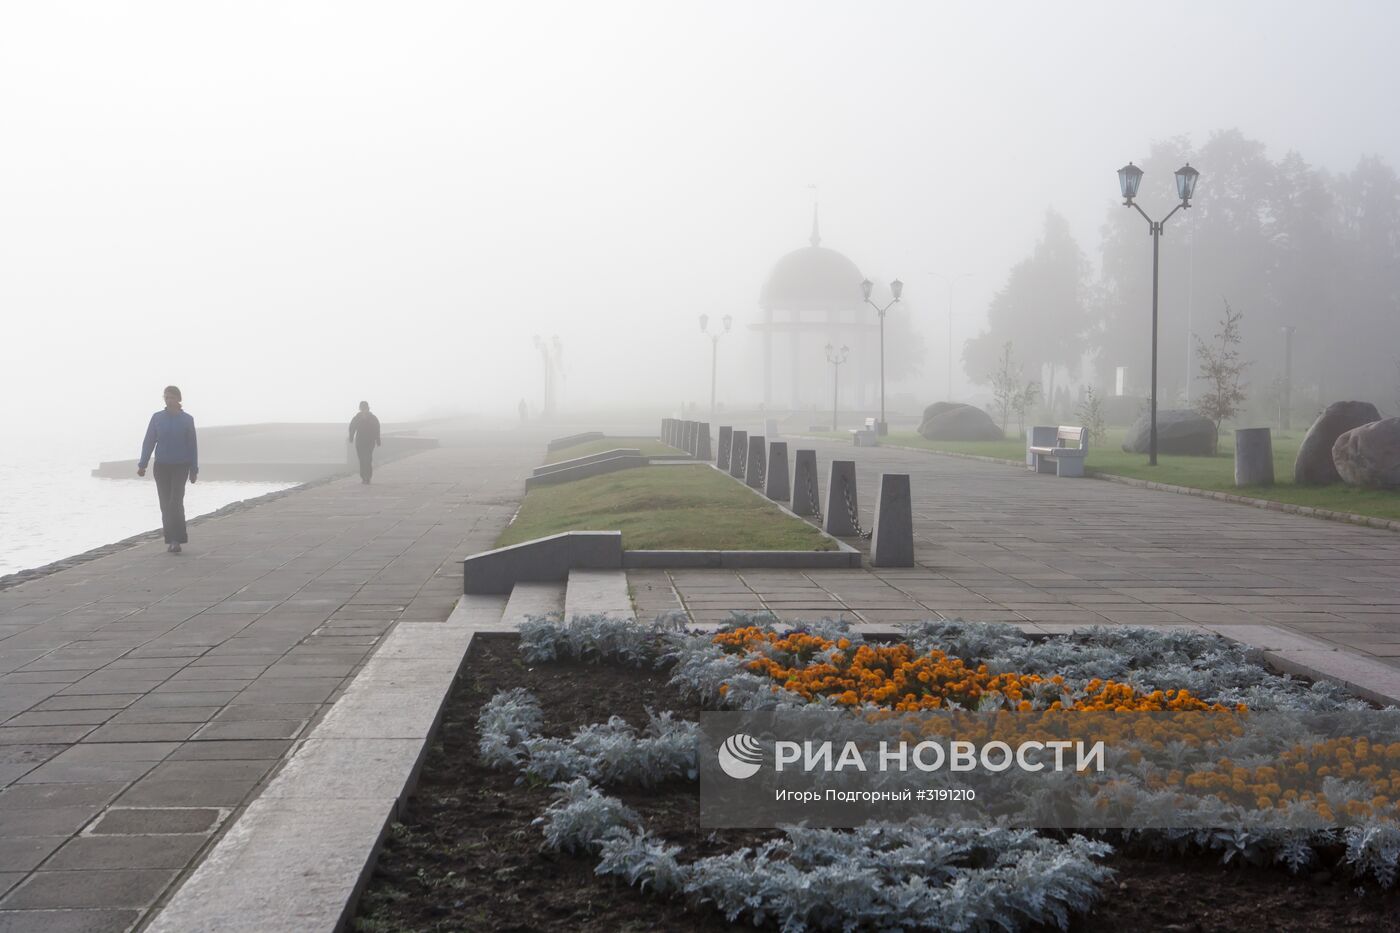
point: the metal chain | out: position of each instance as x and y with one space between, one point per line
762 475
812 494
851 511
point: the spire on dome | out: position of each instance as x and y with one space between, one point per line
816 238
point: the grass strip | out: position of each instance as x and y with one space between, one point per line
686 507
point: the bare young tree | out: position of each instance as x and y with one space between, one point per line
1006 383
1009 393
1091 415
1222 369
1021 403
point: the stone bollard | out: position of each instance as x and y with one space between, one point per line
668 426
841 503
738 453
756 470
692 443
726 439
777 486
892 541
688 437
806 498
702 441
1254 457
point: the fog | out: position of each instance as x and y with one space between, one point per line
287 207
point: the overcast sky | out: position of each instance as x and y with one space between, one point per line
285 207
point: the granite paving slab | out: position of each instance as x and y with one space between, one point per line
148 699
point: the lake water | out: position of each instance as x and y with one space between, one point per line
51 508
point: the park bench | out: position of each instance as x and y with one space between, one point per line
867 436
1065 457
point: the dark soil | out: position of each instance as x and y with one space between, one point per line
466 858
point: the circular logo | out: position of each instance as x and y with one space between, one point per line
740 756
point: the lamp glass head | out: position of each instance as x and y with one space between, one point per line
1186 182
1129 177
704 321
728 321
866 287
896 289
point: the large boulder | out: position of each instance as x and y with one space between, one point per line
1179 431
1370 455
1314 466
954 421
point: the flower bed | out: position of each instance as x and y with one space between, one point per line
607 782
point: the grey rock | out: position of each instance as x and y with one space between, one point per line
1314 466
954 421
1370 455
1179 431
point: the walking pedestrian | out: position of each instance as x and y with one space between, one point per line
171 437
364 434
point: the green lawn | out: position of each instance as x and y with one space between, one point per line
1213 473
690 507
649 446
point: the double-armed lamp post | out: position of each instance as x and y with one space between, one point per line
896 289
836 358
714 353
1129 177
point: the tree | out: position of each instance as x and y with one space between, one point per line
1091 415
1010 392
1044 305
1221 368
1022 403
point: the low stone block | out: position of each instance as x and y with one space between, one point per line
892 540
839 517
702 442
543 560
591 458
806 497
776 487
583 471
726 440
285 864
573 440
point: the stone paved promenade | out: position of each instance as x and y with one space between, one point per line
145 697
996 543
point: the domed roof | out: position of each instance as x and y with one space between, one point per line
812 278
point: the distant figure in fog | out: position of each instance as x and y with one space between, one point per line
364 434
170 436
524 411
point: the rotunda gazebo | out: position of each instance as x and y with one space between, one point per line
812 297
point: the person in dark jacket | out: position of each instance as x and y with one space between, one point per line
364 434
171 437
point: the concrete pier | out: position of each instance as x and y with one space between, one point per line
806 496
738 453
841 503
776 487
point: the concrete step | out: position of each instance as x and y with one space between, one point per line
533 599
598 592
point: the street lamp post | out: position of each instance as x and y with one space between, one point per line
543 347
836 358
950 280
1129 178
896 289
552 355
714 353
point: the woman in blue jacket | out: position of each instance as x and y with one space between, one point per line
171 437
